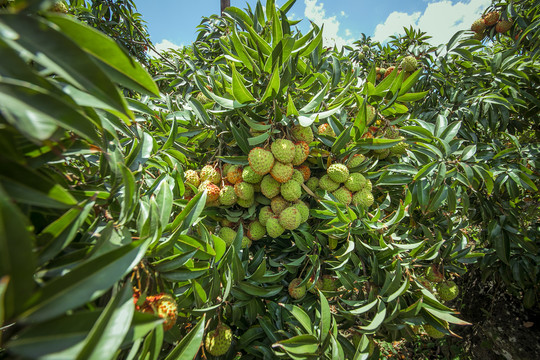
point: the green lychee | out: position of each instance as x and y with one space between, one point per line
305 171
208 172
409 63
290 218
297 291
250 176
218 341
297 176
246 242
244 190
301 152
355 182
433 274
283 150
325 129
273 227
343 195
291 190
246 203
313 183
264 214
261 160
328 184
227 234
338 173
303 209
301 133
234 174
227 196
447 290
192 177
363 198
256 230
282 172
355 160
270 187
278 204
478 26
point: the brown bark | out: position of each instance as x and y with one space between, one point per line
225 4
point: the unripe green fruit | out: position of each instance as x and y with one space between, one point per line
246 242
227 196
325 129
234 174
256 230
273 228
250 176
227 234
355 161
343 195
433 274
409 63
270 187
244 190
278 204
301 152
338 173
329 283
212 191
208 172
283 150
399 149
246 203
218 341
264 214
282 172
291 190
192 177
297 291
328 184
290 218
303 209
312 183
301 133
297 176
363 198
261 160
355 182
448 290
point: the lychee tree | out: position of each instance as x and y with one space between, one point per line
271 198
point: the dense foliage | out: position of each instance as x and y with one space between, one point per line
105 236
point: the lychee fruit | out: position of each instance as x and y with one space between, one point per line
301 152
447 290
503 26
338 173
192 177
250 176
491 18
256 230
244 190
166 309
218 341
297 291
355 160
227 196
313 183
389 70
301 133
305 170
227 234
297 176
278 204
478 26
325 129
261 160
208 172
291 190
283 150
270 187
246 203
363 198
264 214
355 182
273 228
343 195
282 172
212 191
234 175
328 184
303 209
290 218
409 63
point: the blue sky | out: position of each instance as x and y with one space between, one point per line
173 23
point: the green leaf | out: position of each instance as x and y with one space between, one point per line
377 320
301 316
315 102
272 89
313 44
240 92
17 260
110 329
299 345
125 69
291 109
189 346
83 283
130 195
260 291
326 317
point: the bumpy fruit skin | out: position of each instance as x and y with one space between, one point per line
305 170
329 283
282 172
227 196
273 228
234 175
355 160
371 113
392 133
434 333
297 176
261 160
246 242
208 172
226 168
250 176
343 195
433 274
291 190
363 198
192 177
491 18
202 98
295 290
381 153
503 26
246 203
303 209
227 234
399 149
264 214
478 26
301 133
270 187
301 152
409 63
290 218
218 341
59 7
338 173
425 283
318 285
325 129
244 190
256 230
212 191
328 184
166 309
283 150
448 290
278 204
479 36
312 183
389 71
355 182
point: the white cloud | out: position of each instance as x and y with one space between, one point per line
164 45
441 20
316 13
348 32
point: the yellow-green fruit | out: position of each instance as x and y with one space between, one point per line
234 174
355 182
202 98
297 176
282 172
301 133
392 133
301 152
278 204
270 187
246 203
218 341
192 177
343 195
261 160
329 283
328 184
325 129
256 230
59 7
363 198
355 160
227 196
318 285
244 190
291 190
283 150
433 274
479 36
212 191
338 173
399 149
503 26
264 214
246 242
226 167
478 26
409 63
312 183
305 171
382 153
250 176
447 290
303 209
227 234
368 186
208 172
371 113
434 333
273 228
290 218
297 291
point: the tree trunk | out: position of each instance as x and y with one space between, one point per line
225 4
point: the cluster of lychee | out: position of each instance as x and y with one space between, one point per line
409 64
492 19
297 290
396 150
162 305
